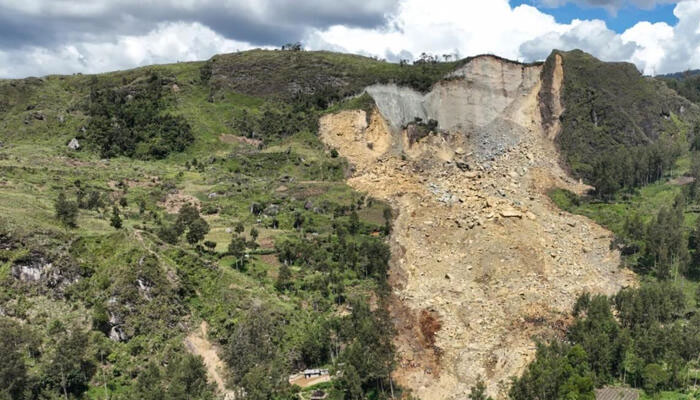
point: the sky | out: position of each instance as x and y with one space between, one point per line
41 37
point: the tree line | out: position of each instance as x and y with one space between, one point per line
631 167
643 337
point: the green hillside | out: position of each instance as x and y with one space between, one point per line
641 154
278 256
609 106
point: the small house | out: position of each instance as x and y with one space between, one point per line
312 373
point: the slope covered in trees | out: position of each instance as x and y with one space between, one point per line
610 108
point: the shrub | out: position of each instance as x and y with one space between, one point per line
66 211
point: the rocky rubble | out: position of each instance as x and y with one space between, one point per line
482 248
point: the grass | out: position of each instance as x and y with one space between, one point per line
189 285
669 396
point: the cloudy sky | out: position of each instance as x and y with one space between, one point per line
40 37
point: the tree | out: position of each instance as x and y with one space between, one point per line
298 220
239 228
169 234
387 219
558 372
116 220
654 377
254 234
349 382
237 249
100 319
187 379
68 366
149 383
254 341
94 200
284 278
354 224
14 377
142 206
66 211
185 217
197 230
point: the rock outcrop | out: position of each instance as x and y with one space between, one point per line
474 104
37 270
477 245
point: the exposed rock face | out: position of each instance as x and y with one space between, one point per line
474 103
35 268
477 244
551 106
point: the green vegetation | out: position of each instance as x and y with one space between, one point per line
611 106
101 256
638 150
327 76
129 120
652 343
687 85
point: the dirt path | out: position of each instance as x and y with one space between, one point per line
482 262
197 343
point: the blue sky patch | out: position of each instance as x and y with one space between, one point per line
625 18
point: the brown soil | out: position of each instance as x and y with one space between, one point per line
197 343
482 261
174 201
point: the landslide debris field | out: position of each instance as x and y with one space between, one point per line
482 261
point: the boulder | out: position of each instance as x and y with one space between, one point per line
511 213
74 144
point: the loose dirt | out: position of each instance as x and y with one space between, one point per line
482 261
197 343
174 201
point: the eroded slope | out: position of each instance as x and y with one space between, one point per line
482 261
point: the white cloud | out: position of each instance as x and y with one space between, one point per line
74 40
472 27
168 42
442 27
651 40
590 36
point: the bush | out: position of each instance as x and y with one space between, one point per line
66 211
